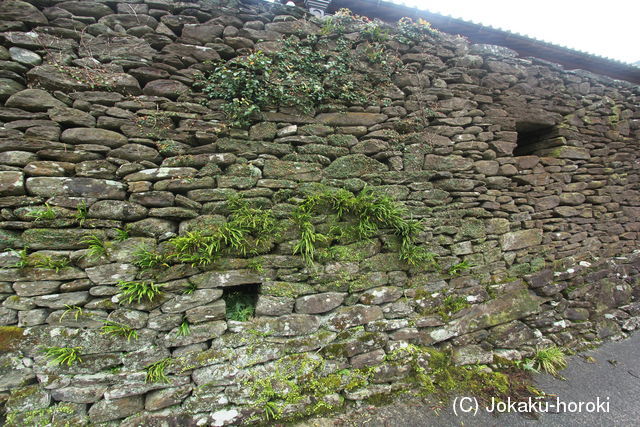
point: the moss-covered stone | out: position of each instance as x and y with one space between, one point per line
10 337
354 166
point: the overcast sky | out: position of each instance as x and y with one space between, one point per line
607 28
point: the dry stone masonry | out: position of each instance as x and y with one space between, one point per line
524 177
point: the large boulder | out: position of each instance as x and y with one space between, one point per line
108 48
520 239
20 11
11 183
171 89
201 33
83 79
354 166
93 136
33 100
76 187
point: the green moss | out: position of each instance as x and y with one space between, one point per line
518 270
10 337
297 377
340 140
335 350
339 253
450 305
537 264
24 392
382 399
434 373
39 417
286 289
299 385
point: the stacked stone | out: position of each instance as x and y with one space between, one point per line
99 109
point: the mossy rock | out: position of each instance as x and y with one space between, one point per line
354 166
10 337
286 289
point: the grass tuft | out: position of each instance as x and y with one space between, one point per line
118 329
63 355
156 371
96 247
44 213
50 263
138 291
550 359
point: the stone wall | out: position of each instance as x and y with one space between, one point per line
525 177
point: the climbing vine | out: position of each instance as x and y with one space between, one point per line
305 73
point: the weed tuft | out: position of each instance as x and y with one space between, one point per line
146 259
23 254
122 234
550 359
49 262
156 371
96 247
82 212
44 213
118 329
138 291
63 355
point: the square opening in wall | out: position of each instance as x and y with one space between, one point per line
241 301
535 138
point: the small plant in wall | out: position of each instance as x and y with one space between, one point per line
189 288
23 258
82 211
118 329
43 213
122 234
156 371
302 74
72 311
183 329
256 264
96 247
144 258
306 246
247 231
457 269
410 31
550 359
63 355
370 212
452 304
137 292
241 306
50 262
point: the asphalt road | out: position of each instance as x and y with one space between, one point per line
606 380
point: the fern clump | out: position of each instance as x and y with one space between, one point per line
370 211
246 232
63 355
138 291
